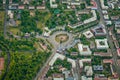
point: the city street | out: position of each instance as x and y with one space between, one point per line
44 27
110 41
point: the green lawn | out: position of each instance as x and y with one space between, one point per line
14 30
2 13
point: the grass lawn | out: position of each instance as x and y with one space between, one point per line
2 13
40 25
47 17
14 30
61 38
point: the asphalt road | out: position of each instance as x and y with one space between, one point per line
7 52
5 19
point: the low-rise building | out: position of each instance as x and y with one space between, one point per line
118 51
101 44
98 67
86 78
84 50
94 18
71 2
114 17
102 54
117 24
70 78
88 34
72 62
83 61
53 4
106 17
12 7
2 63
21 7
40 7
10 14
93 5
117 27
31 7
58 76
99 30
104 12
88 70
106 61
55 57
100 77
103 5
108 22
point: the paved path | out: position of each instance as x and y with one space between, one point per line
5 19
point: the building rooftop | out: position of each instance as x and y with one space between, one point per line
104 12
55 57
88 70
72 62
86 78
2 63
117 24
103 5
106 17
92 18
105 61
98 67
88 34
84 61
53 4
99 30
103 54
84 49
100 77
118 51
101 43
58 78
57 75
70 78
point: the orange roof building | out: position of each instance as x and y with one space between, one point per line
1 64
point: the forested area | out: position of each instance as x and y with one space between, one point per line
23 65
28 23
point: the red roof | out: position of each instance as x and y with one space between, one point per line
1 64
100 79
118 51
94 3
108 61
21 7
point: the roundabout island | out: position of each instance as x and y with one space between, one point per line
61 38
